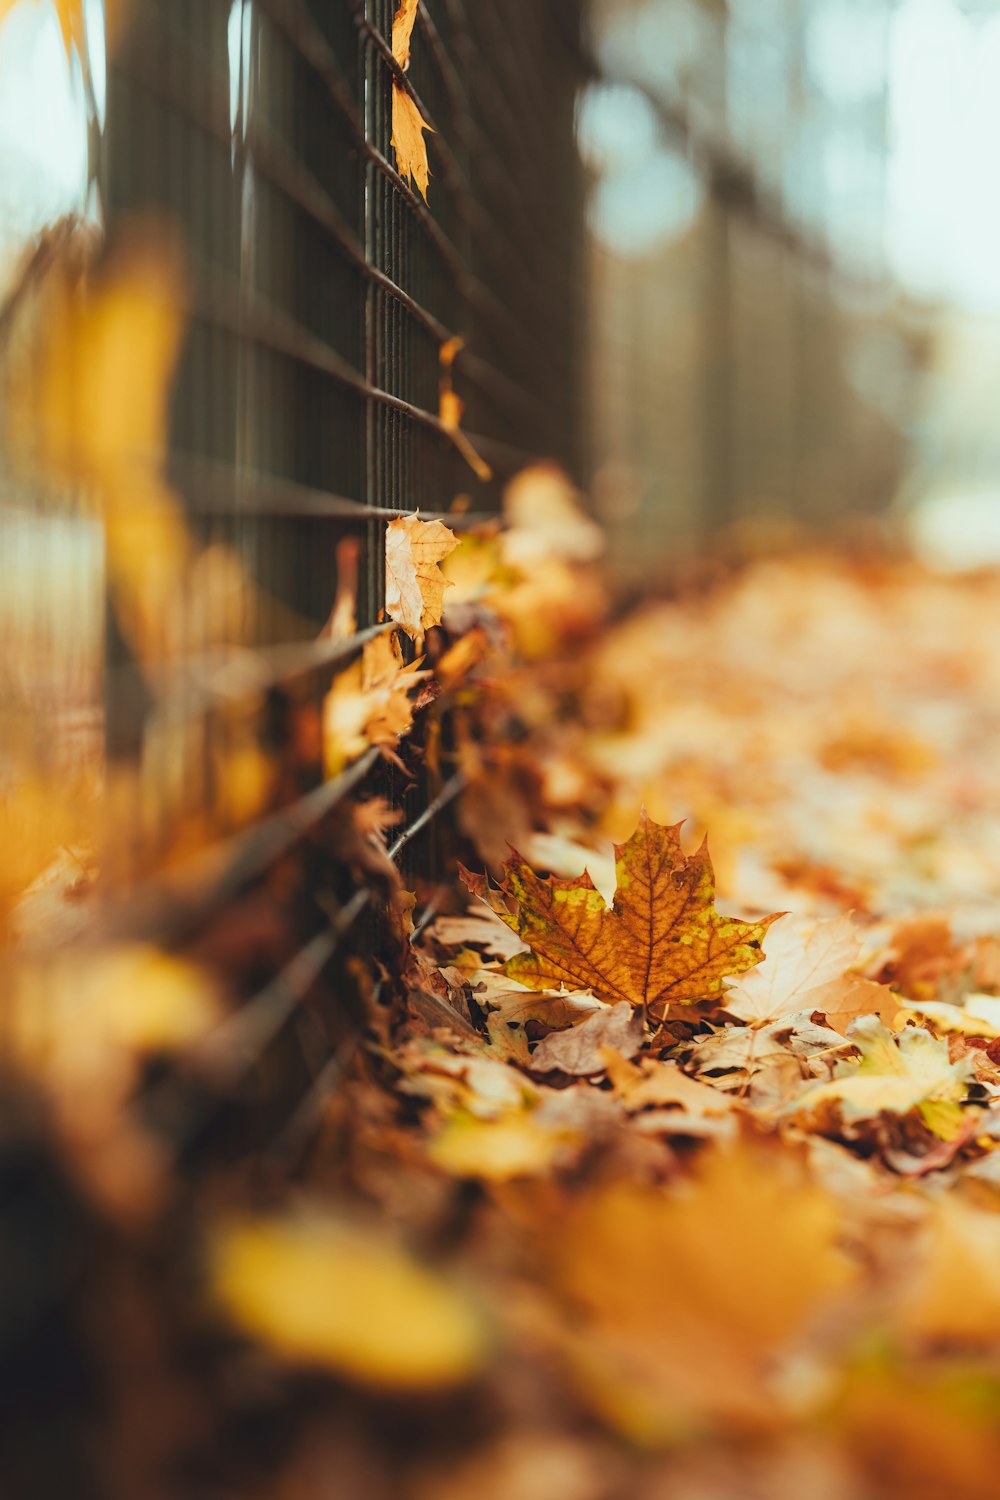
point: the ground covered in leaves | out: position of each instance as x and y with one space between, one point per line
665 1181
664 1165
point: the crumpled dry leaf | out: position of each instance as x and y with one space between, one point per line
369 703
516 1003
402 31
414 583
581 1051
895 1075
320 1291
800 958
662 940
486 932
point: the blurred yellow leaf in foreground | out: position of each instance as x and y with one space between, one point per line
324 1292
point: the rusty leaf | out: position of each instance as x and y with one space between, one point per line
661 941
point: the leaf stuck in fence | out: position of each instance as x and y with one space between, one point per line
414 583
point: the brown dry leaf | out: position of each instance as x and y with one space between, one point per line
408 126
402 31
661 941
656 1085
517 1003
323 1292
486 932
845 1000
894 1075
800 958
369 703
582 1050
414 583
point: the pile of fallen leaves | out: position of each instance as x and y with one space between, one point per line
631 1195
651 1174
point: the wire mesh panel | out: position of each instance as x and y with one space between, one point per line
321 290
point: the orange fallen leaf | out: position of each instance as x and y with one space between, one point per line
414 583
662 940
369 703
408 126
687 1294
402 31
450 409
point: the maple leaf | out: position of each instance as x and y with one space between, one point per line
804 969
408 126
662 940
414 583
896 1075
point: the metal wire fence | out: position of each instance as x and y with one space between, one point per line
322 290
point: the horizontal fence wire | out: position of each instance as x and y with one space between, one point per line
321 289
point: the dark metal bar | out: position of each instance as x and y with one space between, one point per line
181 900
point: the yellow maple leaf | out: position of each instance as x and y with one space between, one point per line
402 31
414 583
662 940
408 126
328 1293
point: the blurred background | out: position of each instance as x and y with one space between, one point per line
788 295
795 277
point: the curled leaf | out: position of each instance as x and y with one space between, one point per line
414 583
